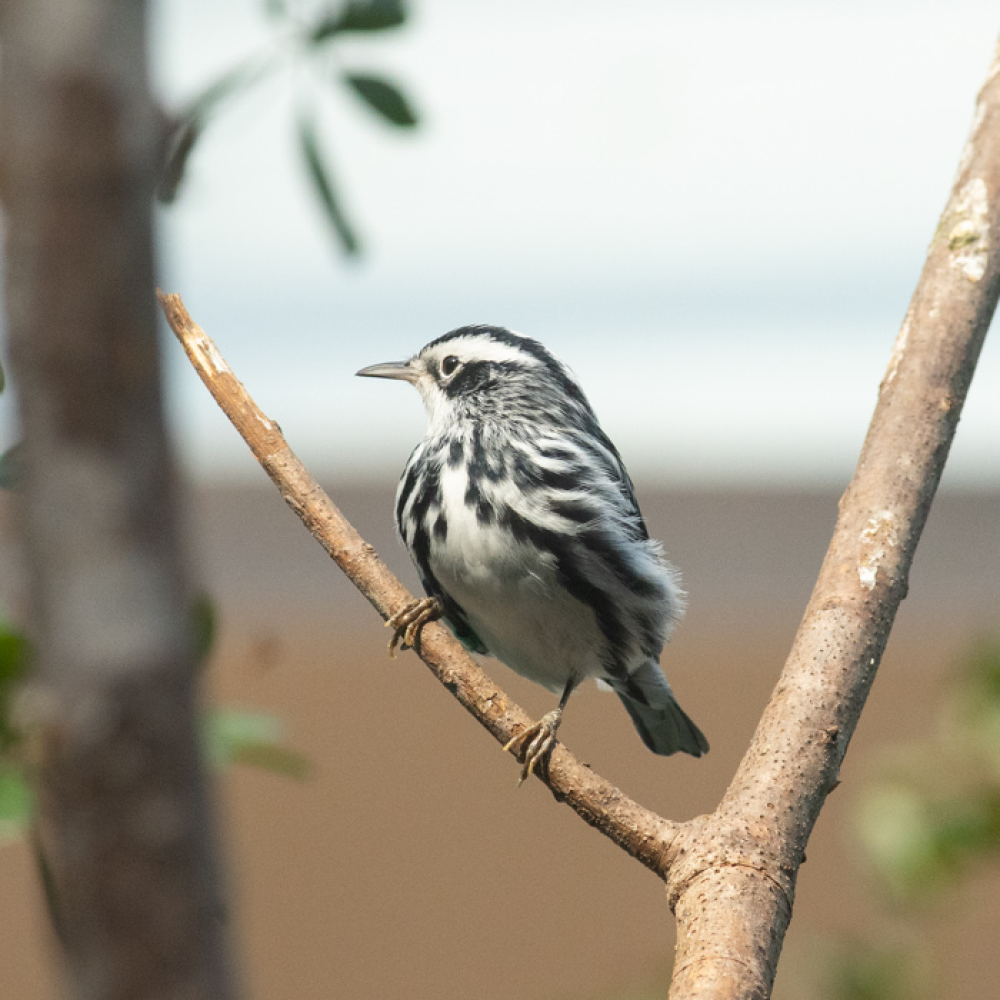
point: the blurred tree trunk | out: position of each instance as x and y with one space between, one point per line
110 715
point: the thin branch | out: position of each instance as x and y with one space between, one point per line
637 830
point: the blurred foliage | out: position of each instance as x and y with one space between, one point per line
302 36
383 97
16 803
936 811
203 626
14 659
322 181
929 820
356 15
229 735
860 970
235 736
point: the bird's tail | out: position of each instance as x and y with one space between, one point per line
663 725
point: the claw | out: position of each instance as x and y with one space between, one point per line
409 620
540 739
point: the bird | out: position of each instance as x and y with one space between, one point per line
524 528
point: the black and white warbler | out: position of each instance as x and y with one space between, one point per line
524 527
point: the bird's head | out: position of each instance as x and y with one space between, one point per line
489 373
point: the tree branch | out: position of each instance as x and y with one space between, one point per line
767 814
731 875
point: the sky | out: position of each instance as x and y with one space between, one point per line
714 212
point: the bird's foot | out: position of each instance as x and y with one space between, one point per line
537 742
407 622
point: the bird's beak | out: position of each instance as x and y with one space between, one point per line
393 369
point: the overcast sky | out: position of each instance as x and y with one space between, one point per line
715 212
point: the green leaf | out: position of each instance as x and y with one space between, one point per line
15 651
227 728
181 144
860 970
233 736
319 174
898 831
191 121
360 15
16 803
920 842
203 624
241 76
273 758
383 97
12 467
975 717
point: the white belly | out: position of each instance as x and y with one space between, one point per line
511 595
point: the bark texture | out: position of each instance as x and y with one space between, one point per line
751 848
123 819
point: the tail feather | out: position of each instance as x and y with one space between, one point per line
663 725
666 730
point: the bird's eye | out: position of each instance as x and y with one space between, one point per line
449 366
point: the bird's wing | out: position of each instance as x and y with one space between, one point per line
609 458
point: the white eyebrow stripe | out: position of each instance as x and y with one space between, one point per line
480 348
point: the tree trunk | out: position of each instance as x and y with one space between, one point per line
110 714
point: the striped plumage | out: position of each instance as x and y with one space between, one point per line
523 525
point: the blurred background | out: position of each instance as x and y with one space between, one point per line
715 213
